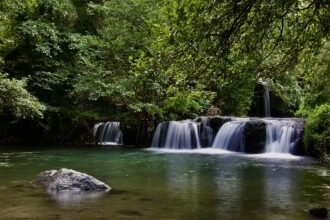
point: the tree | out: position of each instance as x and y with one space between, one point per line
226 46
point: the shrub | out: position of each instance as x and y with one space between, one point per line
317 132
15 99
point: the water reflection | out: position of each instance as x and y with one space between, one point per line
281 186
234 187
69 198
190 187
228 180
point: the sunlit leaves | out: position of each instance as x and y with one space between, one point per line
16 100
186 104
43 36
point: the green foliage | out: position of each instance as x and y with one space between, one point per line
63 13
42 36
286 87
315 74
226 46
103 61
161 60
186 104
317 132
235 94
16 100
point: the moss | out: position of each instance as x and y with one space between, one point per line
317 132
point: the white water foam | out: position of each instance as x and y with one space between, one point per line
5 164
208 150
283 156
215 151
109 143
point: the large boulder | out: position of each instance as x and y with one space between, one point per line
67 180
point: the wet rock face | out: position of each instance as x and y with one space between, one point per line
205 132
299 149
217 121
67 180
255 136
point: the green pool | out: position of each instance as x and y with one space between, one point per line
162 185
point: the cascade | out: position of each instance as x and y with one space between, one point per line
231 135
176 135
249 135
205 131
108 133
282 136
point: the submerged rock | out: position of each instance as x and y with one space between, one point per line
319 212
67 180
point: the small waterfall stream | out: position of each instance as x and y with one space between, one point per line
108 133
282 136
266 98
267 102
231 136
177 135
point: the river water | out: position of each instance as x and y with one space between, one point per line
153 184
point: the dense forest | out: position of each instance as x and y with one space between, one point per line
67 64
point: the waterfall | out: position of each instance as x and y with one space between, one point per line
282 136
248 135
266 98
231 136
267 102
205 131
108 133
176 135
159 138
96 128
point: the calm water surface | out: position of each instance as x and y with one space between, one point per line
160 185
